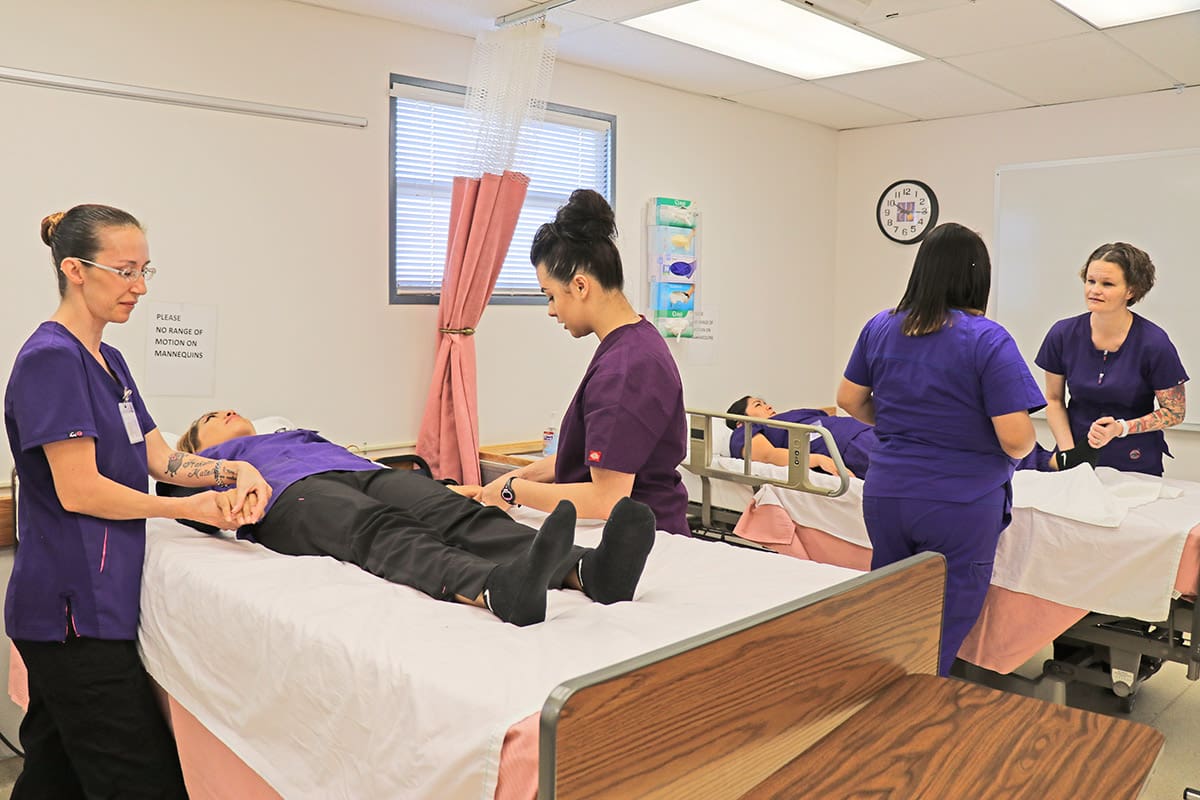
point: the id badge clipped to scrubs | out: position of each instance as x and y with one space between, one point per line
129 417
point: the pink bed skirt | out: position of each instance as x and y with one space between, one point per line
213 772
1012 627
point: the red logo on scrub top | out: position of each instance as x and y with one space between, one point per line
594 456
74 434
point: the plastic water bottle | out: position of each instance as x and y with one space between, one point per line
550 440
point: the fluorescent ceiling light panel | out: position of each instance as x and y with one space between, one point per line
774 34
1110 13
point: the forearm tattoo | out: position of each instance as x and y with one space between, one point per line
184 465
1172 406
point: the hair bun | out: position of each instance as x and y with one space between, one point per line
586 216
50 224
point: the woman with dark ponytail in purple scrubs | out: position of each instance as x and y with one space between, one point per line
83 444
950 396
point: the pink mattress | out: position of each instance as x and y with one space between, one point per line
1012 627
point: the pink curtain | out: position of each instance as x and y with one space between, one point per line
483 216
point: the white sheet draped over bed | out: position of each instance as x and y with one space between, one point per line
1125 566
332 683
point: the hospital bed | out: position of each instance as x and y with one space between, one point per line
1050 572
303 677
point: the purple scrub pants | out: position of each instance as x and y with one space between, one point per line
965 533
93 727
401 526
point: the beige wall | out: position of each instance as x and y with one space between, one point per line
958 158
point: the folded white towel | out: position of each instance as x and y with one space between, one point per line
1101 497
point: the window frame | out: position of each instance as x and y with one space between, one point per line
423 85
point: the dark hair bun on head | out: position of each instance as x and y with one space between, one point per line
49 224
586 216
582 238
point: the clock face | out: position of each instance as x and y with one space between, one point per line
907 210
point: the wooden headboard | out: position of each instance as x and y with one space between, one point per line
717 714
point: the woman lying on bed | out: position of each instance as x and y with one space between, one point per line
855 441
409 529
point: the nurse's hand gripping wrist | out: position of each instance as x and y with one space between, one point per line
252 492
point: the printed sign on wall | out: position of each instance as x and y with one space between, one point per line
181 346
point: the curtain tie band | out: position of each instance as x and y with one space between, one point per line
463 331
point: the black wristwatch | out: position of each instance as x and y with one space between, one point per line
507 494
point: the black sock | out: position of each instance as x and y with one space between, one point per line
516 591
611 572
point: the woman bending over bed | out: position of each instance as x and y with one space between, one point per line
409 529
623 434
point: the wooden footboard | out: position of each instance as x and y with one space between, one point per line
716 715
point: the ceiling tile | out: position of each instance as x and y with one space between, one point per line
1064 70
926 90
820 105
1172 44
979 26
464 17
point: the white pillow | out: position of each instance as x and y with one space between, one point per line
721 436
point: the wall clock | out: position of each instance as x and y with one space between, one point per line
907 210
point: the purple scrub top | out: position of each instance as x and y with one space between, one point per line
855 440
627 416
1145 363
72 569
935 396
285 457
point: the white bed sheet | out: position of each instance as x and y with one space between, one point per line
332 683
1128 570
839 516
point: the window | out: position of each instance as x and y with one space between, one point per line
433 141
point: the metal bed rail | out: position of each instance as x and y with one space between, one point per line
798 478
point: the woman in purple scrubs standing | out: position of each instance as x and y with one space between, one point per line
83 444
624 432
1116 364
950 396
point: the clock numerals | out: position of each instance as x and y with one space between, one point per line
906 211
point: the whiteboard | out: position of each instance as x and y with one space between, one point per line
1050 216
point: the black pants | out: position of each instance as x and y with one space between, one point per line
401 526
93 728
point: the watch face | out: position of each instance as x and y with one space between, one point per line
907 210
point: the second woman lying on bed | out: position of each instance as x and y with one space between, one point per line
409 529
855 440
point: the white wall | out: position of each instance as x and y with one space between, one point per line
958 158
283 225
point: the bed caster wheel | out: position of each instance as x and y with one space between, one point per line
1127 704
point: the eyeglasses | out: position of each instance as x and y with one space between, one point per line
130 274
